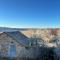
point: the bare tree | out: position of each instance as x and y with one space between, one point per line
36 40
55 40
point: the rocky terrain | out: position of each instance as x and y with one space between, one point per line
46 34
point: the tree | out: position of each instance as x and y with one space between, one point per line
36 40
55 40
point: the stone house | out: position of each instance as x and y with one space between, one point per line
16 44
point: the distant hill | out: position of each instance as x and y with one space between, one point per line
4 29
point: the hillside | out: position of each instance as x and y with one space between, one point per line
45 34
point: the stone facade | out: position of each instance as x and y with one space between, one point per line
21 51
5 42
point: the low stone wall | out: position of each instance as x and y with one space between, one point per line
37 53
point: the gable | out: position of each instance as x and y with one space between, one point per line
17 36
6 39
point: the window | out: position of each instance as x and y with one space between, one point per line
12 51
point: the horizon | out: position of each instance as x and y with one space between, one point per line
29 28
30 13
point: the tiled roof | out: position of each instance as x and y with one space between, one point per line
21 38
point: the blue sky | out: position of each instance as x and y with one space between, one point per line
30 13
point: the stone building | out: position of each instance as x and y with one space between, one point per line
16 44
11 43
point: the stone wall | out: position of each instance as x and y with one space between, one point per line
21 51
5 42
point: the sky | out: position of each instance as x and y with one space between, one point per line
30 13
